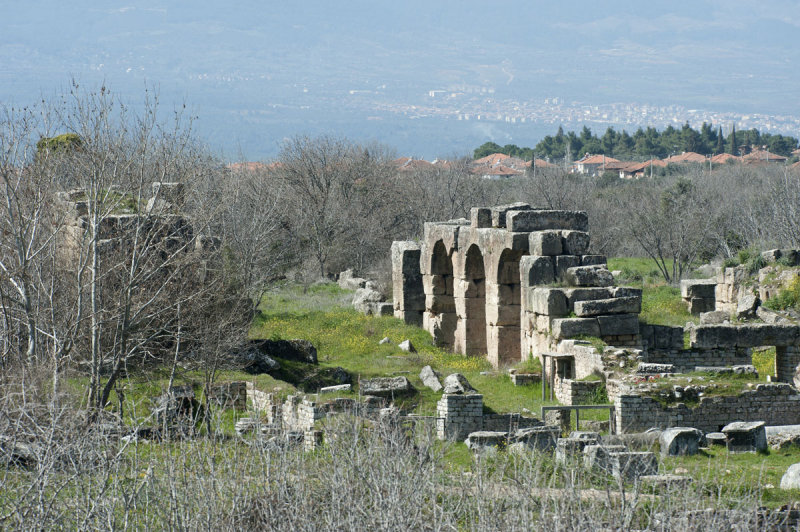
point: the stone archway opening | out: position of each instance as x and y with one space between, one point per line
440 304
504 311
474 303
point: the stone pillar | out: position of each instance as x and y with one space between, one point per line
409 296
458 416
787 363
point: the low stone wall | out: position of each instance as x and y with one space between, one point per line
787 362
458 416
685 360
572 392
775 404
300 414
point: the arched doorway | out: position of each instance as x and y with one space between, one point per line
475 303
503 311
440 302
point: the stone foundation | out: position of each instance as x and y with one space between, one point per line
775 404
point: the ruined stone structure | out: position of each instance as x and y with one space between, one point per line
775 404
487 284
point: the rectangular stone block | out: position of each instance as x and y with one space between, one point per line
470 307
585 294
440 304
632 465
564 263
626 291
480 217
546 243
742 437
499 213
588 276
537 270
503 315
509 273
548 301
542 220
594 260
406 257
575 242
703 288
572 327
618 325
618 305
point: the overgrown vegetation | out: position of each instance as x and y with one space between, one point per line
787 298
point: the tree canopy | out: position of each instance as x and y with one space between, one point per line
644 143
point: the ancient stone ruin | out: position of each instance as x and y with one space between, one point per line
516 282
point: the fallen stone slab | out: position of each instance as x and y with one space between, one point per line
480 440
630 465
456 383
569 449
386 386
716 438
384 341
334 389
592 438
617 305
590 276
680 441
715 317
745 436
650 368
407 346
364 297
541 438
791 479
597 456
746 306
430 378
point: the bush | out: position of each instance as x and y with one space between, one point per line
787 298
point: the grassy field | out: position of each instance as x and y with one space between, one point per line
346 338
661 303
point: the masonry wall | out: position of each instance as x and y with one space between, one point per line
572 392
458 416
787 362
775 404
685 360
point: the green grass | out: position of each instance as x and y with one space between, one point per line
717 469
661 303
343 337
764 361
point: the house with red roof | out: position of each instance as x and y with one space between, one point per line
593 164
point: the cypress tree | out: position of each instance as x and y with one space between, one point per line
720 142
733 140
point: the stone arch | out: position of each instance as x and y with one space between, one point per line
504 308
440 304
474 315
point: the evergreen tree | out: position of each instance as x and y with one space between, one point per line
734 148
720 143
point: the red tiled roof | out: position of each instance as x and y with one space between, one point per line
763 155
596 159
498 170
409 163
540 163
686 157
722 158
492 159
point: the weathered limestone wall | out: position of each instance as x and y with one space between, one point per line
661 337
730 287
409 295
300 414
775 404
